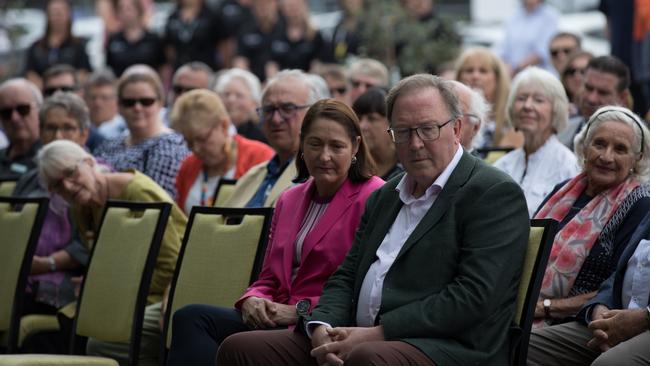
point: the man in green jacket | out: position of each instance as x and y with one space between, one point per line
433 273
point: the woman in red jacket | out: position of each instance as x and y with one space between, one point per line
200 116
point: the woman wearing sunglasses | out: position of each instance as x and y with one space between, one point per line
150 146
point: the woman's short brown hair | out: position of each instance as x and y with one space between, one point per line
339 112
141 77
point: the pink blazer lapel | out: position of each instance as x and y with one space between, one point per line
296 203
335 210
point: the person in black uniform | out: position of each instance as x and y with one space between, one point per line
134 44
302 44
256 39
57 46
193 33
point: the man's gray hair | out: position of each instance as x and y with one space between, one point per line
104 77
623 115
73 105
195 66
317 86
550 86
250 80
420 82
37 97
371 68
477 106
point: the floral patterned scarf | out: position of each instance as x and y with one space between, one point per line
574 241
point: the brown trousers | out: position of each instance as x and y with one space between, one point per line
286 347
566 344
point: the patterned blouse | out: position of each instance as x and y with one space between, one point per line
158 157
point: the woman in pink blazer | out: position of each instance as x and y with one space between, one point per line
312 230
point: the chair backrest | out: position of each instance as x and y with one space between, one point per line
224 190
540 242
21 220
221 255
7 187
492 154
114 290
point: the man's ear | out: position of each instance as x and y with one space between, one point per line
457 126
625 99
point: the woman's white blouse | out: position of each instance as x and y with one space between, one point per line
551 164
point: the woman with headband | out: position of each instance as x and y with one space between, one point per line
598 211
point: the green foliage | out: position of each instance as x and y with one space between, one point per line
392 36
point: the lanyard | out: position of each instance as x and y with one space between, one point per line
205 199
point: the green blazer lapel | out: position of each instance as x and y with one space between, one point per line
379 222
458 177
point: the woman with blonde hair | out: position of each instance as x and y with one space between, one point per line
201 117
479 68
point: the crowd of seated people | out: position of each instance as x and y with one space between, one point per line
393 240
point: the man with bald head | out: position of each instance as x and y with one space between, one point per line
20 101
474 109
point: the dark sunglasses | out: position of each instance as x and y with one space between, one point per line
66 89
556 51
130 102
180 89
572 71
286 110
358 83
340 90
22 109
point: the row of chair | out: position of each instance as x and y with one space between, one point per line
221 254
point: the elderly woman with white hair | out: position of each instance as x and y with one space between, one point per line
70 171
241 93
598 210
538 107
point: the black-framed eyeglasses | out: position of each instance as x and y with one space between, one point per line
556 51
180 89
338 91
69 173
22 109
357 83
573 70
65 130
426 132
286 110
131 102
66 89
